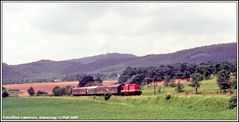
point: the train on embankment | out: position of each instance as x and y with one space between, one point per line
120 90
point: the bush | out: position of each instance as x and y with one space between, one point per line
5 94
179 87
67 90
56 87
57 91
232 102
231 92
107 96
41 93
167 96
31 91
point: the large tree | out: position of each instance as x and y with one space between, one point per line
196 78
127 74
137 78
223 80
83 80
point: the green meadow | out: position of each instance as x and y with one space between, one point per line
207 105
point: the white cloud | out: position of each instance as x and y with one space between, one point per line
59 31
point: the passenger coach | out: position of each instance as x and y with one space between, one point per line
120 89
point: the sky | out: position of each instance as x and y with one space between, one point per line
61 31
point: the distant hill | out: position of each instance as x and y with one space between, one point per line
219 52
115 62
91 59
10 74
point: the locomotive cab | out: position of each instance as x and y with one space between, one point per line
131 89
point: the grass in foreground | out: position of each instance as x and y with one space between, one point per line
121 108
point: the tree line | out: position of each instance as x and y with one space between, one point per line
191 71
102 76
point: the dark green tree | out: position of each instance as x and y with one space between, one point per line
179 87
207 75
4 92
187 75
196 78
56 87
107 96
166 80
31 91
123 78
68 90
83 80
56 91
137 79
218 67
223 80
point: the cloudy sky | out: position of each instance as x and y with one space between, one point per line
59 31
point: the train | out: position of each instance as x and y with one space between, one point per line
119 90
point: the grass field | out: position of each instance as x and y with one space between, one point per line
208 87
206 106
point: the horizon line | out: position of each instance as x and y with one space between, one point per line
121 53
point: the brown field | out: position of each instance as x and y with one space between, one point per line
46 86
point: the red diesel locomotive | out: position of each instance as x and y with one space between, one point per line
120 89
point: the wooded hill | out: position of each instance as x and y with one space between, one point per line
109 66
